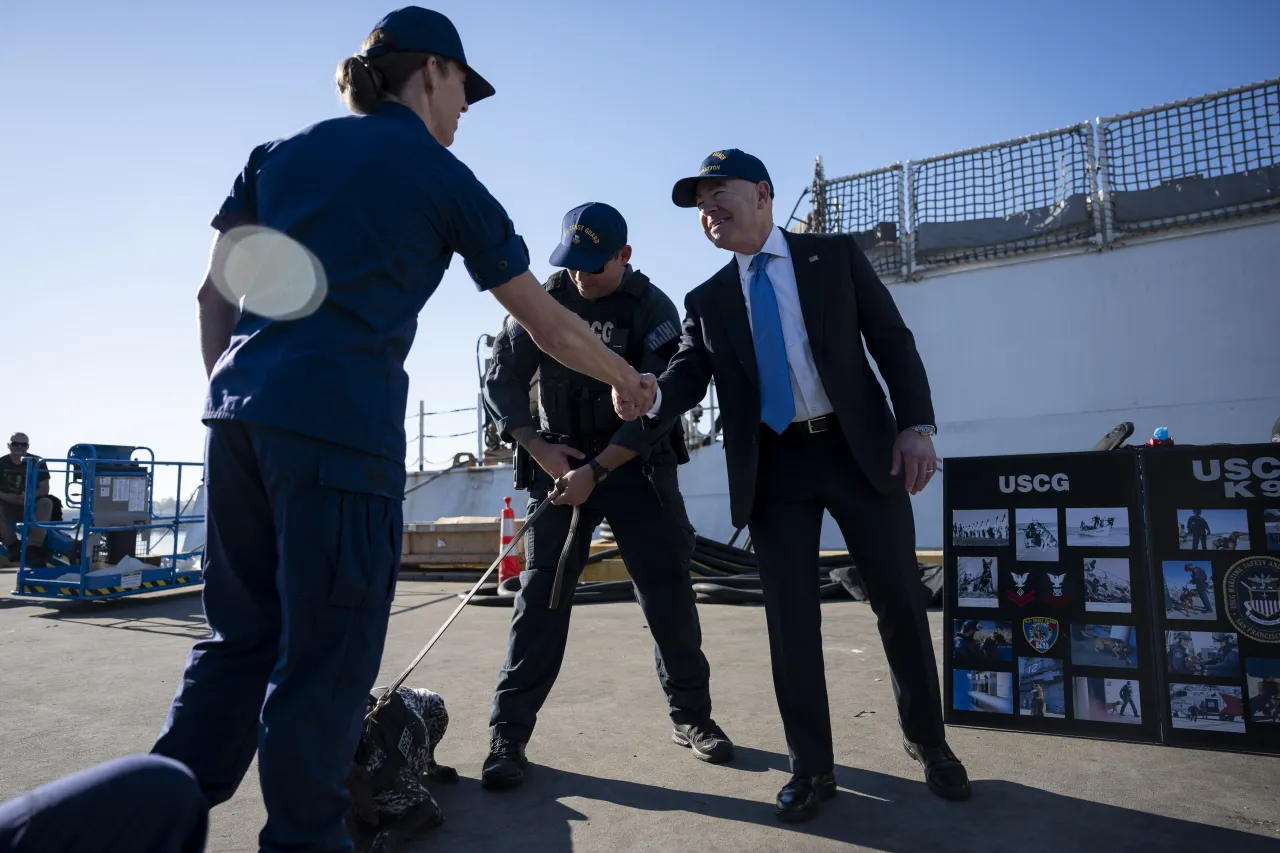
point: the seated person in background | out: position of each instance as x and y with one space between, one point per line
13 490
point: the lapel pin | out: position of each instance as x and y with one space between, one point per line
813 258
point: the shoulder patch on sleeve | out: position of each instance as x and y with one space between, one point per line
664 333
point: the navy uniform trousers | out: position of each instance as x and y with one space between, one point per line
138 804
301 560
649 523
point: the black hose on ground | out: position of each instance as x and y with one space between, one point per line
720 553
716 593
728 552
599 556
721 574
702 558
697 567
584 593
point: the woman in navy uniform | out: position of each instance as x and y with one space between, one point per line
305 450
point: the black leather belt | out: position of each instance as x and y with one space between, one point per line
813 426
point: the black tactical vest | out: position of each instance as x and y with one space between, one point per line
573 405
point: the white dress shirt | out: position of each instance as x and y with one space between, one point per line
806 386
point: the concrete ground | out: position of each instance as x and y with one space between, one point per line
81 683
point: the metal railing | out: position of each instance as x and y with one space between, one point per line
1202 159
1196 160
869 205
1009 198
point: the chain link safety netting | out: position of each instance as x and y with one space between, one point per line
870 206
1013 197
1198 160
1207 158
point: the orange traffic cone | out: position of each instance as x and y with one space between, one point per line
510 567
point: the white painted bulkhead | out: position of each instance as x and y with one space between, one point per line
1048 355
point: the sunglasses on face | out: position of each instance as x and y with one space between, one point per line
17 444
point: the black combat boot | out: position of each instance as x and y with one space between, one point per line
504 768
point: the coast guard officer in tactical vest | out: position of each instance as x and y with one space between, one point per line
586 456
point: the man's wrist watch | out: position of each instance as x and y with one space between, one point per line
598 471
926 430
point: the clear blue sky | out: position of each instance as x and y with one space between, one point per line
126 123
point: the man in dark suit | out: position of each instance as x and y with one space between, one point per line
807 428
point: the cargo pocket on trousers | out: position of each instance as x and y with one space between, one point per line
666 485
366 559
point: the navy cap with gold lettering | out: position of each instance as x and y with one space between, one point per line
725 163
589 236
414 29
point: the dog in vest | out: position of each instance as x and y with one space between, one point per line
390 802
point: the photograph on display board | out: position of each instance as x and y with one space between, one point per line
1202 653
1207 707
1106 585
1108 700
1104 645
977 582
1213 529
976 690
981 641
1037 534
1271 523
1188 590
1041 688
989 527
1263 675
1098 528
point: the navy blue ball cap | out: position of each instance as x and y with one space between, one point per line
589 236
725 163
414 29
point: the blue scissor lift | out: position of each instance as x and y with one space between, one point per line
112 486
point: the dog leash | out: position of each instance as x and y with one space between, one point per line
528 523
569 541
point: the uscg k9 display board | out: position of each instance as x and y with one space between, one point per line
1047 611
1213 521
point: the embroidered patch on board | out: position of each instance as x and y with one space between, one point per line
1251 588
1041 632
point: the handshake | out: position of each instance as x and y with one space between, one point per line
634 397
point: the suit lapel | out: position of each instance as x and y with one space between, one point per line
733 313
808 265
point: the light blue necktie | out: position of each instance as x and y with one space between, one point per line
777 406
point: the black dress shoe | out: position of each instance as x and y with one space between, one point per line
504 768
943 772
707 740
801 798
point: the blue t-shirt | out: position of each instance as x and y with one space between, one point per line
383 206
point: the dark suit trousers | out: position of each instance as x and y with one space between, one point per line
800 475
